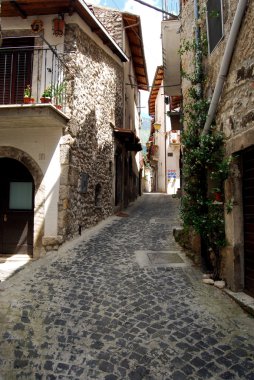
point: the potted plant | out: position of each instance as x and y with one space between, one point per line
218 196
47 95
59 91
27 99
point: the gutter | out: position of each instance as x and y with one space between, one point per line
242 4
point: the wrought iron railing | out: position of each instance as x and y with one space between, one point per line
26 73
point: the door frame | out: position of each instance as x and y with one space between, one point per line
39 197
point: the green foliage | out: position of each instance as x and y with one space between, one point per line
48 92
204 162
27 91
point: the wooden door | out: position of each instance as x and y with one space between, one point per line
248 212
16 208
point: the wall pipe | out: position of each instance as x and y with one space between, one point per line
225 64
198 55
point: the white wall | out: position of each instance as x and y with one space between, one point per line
172 162
42 144
160 140
168 171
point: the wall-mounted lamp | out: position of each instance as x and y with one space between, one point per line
37 26
58 26
157 126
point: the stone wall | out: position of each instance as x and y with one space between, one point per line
95 97
236 110
234 116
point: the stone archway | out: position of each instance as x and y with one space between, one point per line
39 198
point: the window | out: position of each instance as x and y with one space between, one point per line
21 196
214 23
16 62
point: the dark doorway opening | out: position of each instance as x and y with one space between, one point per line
248 214
16 208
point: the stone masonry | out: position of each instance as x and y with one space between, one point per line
234 116
95 90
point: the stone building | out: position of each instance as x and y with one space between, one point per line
126 30
58 159
229 77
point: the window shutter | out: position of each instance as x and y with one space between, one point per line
15 68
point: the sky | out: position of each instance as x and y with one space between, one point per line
151 33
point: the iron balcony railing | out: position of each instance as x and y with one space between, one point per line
27 73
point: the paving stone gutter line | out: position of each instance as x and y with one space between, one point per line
243 299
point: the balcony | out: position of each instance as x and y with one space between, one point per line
174 138
25 73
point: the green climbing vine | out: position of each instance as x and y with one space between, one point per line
205 167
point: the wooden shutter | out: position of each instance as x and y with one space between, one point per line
15 68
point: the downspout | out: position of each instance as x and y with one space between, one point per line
225 64
198 54
165 144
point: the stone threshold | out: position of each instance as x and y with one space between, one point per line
243 299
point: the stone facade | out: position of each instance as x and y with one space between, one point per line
234 116
128 181
87 150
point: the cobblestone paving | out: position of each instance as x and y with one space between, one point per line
93 312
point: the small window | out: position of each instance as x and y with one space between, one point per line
214 23
21 196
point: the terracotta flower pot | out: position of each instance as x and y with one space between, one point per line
58 26
45 100
27 100
218 197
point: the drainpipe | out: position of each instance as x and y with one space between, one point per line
198 57
225 64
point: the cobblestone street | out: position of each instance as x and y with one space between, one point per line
123 302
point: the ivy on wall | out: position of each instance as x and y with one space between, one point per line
204 166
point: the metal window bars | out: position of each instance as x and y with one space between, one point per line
34 68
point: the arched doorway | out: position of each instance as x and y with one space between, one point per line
16 207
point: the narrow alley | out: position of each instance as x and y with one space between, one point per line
124 302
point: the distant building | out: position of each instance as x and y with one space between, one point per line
164 142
